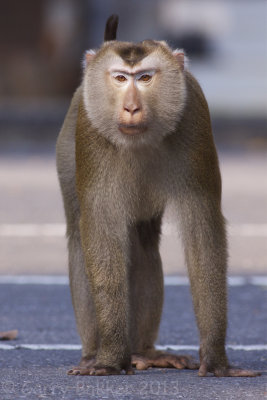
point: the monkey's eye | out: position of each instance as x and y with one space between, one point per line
120 78
145 78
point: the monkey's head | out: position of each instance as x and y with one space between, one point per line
134 94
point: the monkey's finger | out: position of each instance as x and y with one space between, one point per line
177 365
129 371
73 371
85 371
182 362
140 365
189 363
70 372
79 371
171 361
139 362
203 370
105 371
235 372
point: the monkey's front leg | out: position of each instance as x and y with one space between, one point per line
106 267
206 254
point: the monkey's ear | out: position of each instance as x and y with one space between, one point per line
89 55
180 57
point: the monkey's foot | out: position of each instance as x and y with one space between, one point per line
230 372
87 362
88 367
163 360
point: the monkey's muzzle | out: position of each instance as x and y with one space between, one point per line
132 129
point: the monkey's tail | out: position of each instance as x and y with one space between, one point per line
111 28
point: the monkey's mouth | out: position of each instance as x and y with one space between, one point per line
132 129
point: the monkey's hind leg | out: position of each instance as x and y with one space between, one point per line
147 298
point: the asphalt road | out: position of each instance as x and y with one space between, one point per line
43 315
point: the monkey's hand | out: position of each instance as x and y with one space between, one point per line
98 371
227 371
89 367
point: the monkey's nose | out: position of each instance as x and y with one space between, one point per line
132 109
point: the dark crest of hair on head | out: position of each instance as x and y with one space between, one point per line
111 28
131 54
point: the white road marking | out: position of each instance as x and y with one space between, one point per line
59 229
252 347
246 230
176 281
258 280
168 280
34 279
32 230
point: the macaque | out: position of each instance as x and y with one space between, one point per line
137 136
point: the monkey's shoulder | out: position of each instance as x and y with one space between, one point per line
194 90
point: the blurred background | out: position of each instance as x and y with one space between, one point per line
41 46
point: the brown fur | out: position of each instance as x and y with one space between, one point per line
115 192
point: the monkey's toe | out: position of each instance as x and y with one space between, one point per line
78 371
85 365
98 371
104 371
164 360
101 371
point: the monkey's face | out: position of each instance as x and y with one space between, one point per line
134 94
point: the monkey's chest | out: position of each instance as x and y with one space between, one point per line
142 197
132 188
